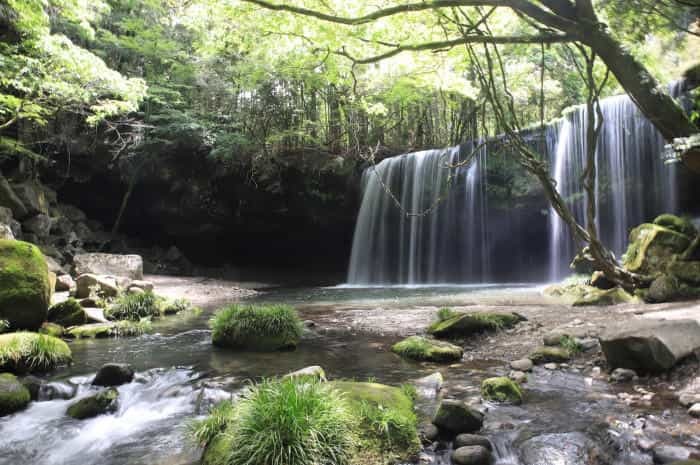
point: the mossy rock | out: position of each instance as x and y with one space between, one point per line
25 291
52 329
501 389
424 349
456 417
676 223
91 331
257 328
603 297
26 352
686 271
14 396
68 313
652 248
372 402
106 401
548 354
467 324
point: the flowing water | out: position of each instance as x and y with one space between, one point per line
427 219
180 375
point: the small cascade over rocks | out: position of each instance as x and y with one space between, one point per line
427 218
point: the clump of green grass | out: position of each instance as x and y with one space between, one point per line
127 328
446 313
570 344
172 307
285 422
204 431
23 352
265 327
134 307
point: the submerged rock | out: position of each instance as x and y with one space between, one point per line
501 389
14 396
466 324
524 364
25 290
129 266
106 401
455 417
471 455
650 346
559 449
114 374
424 349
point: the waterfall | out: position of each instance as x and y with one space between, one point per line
632 183
438 236
444 232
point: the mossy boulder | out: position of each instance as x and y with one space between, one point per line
652 248
424 349
91 331
25 290
378 404
467 324
548 354
257 327
602 297
52 329
456 417
14 396
676 223
26 352
686 271
665 288
106 401
501 389
67 313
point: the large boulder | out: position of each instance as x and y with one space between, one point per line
103 402
25 290
14 396
652 247
466 324
456 417
130 266
559 449
648 345
104 286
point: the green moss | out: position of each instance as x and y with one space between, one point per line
91 331
686 271
501 389
105 401
424 349
13 395
24 285
549 354
601 297
466 324
445 314
679 224
68 313
31 352
388 423
257 327
52 329
652 248
570 344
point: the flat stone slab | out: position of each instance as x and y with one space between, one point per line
650 345
130 266
95 315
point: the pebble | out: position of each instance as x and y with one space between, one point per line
694 411
471 455
518 376
551 366
620 375
688 399
464 440
524 364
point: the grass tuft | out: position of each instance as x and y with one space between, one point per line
203 432
29 352
251 326
134 307
445 314
570 344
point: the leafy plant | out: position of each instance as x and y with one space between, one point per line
134 307
446 313
204 431
127 328
570 344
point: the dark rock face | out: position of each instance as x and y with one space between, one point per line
650 346
114 374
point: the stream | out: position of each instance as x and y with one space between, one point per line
180 375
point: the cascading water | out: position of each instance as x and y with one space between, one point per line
435 236
461 240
